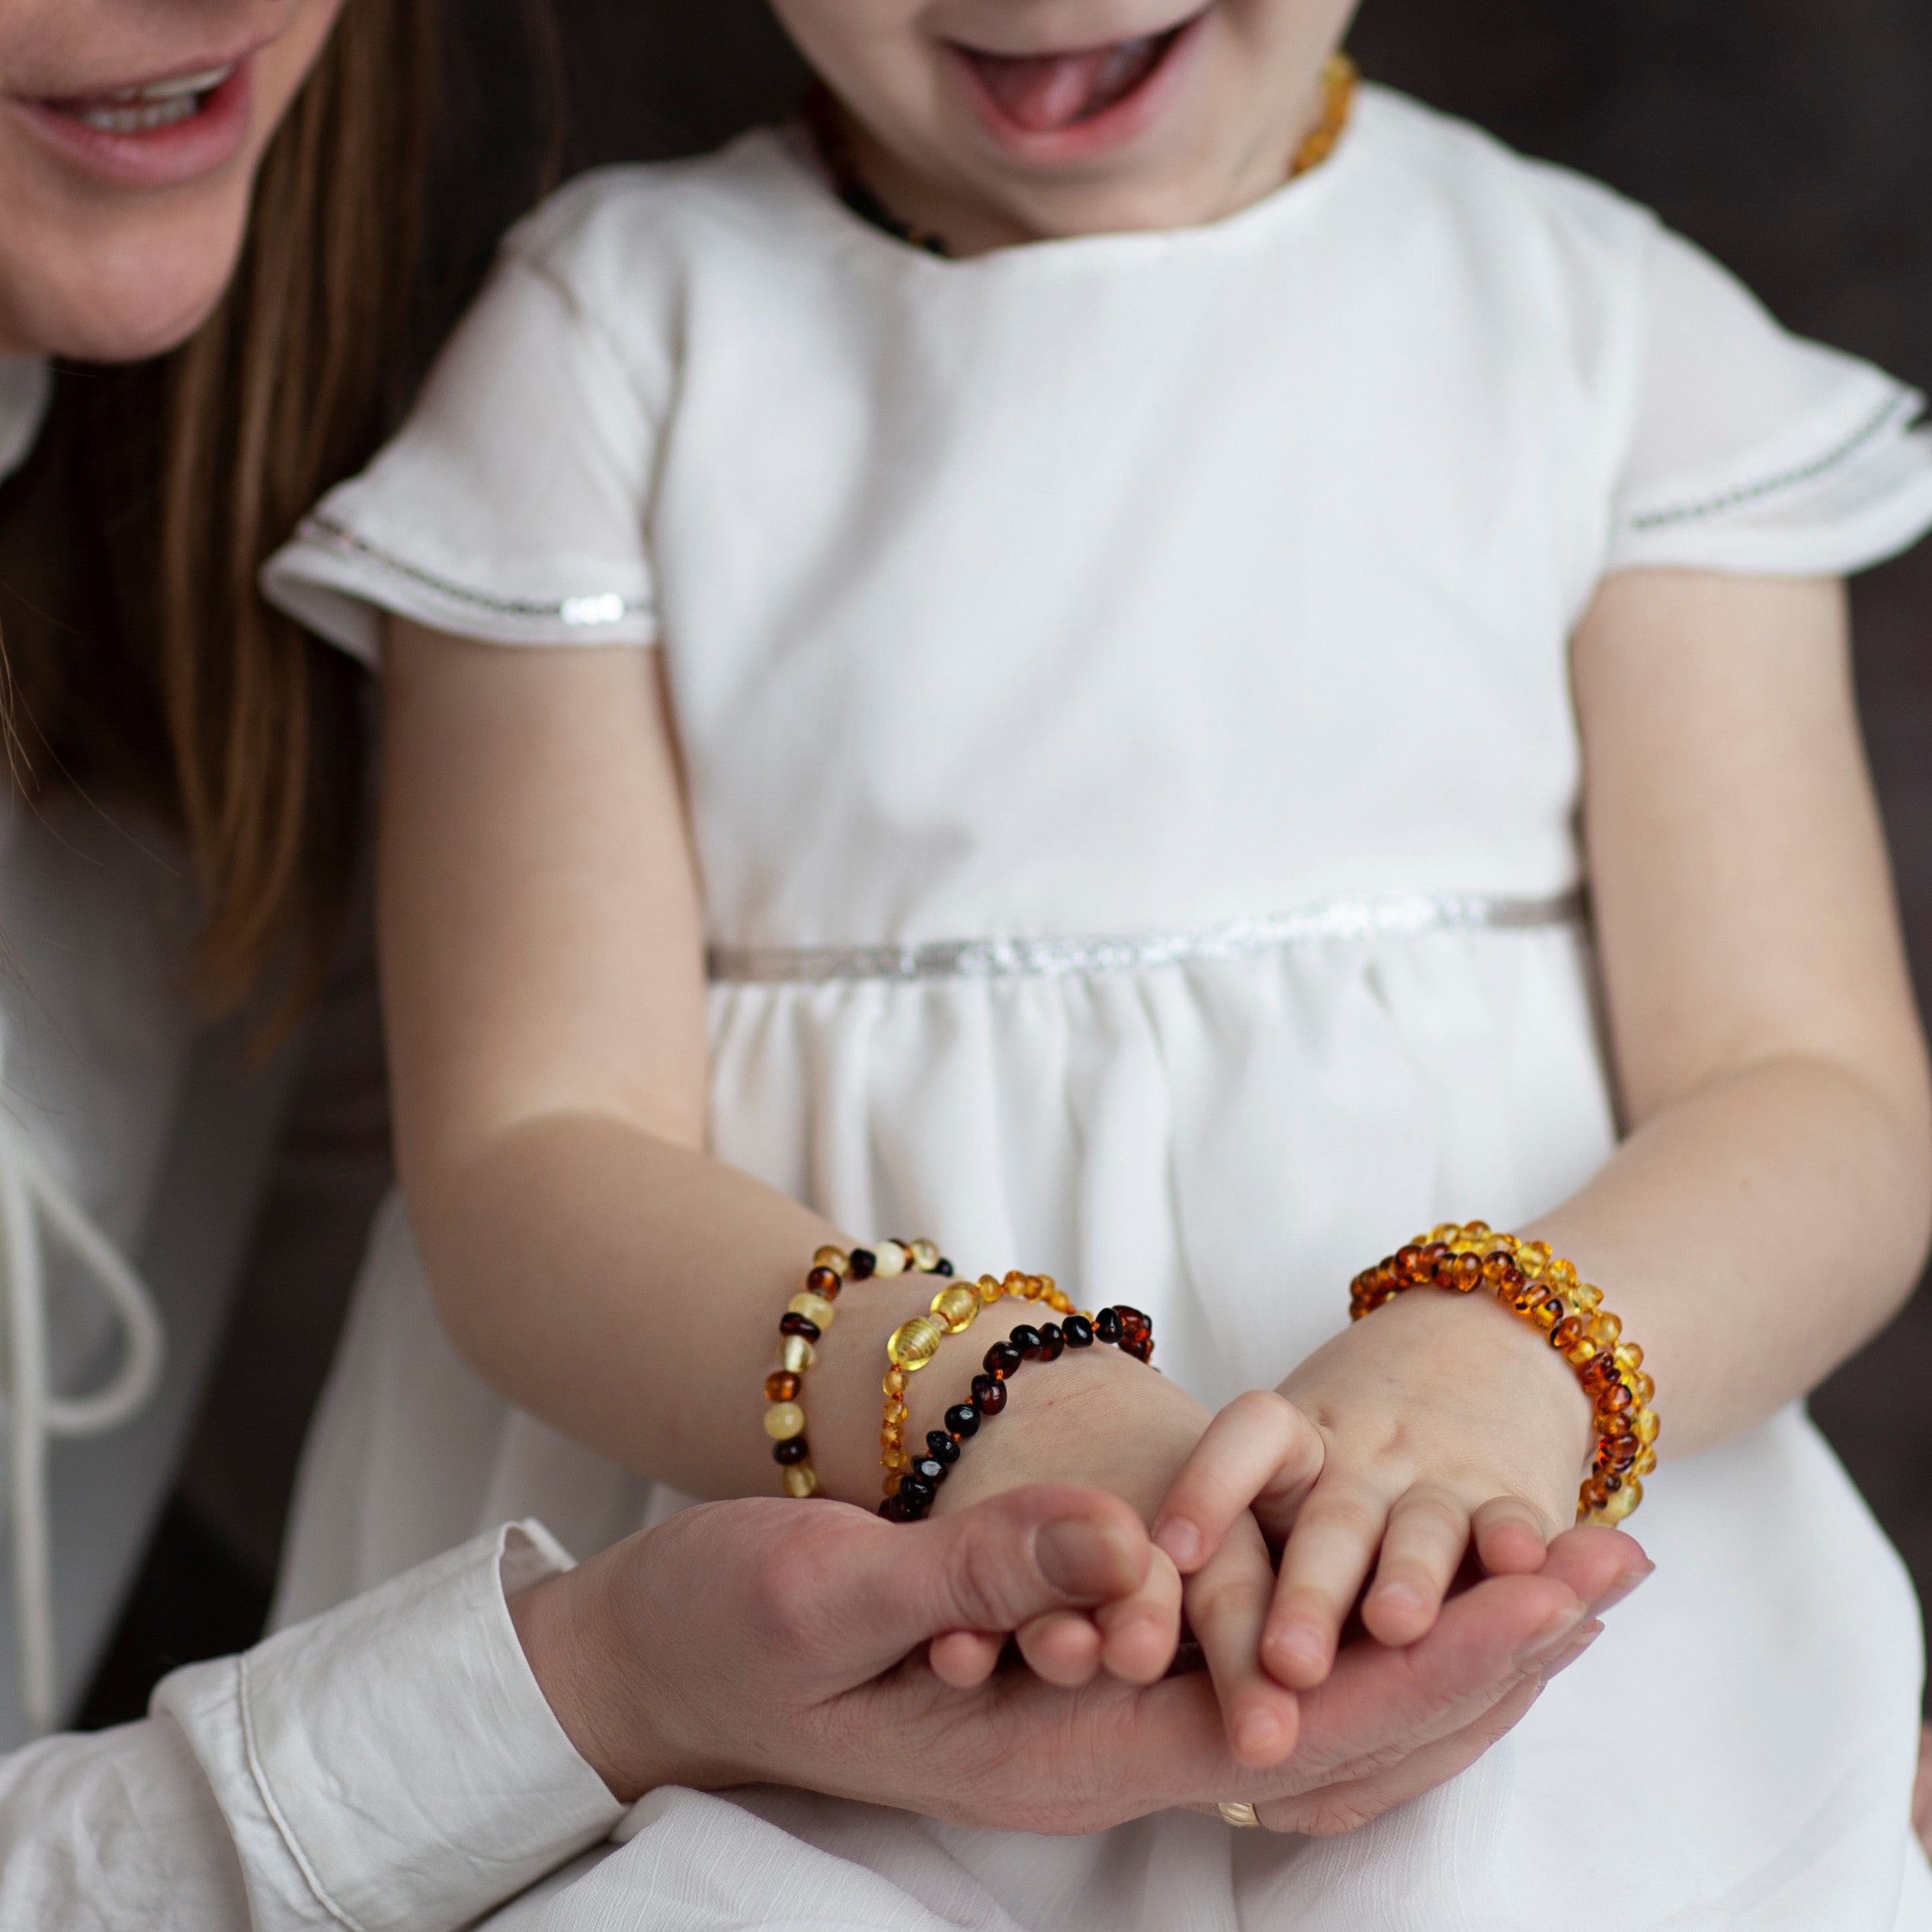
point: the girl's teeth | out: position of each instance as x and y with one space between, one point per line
204 83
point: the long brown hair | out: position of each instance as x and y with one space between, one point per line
151 673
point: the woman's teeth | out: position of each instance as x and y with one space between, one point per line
142 110
1045 93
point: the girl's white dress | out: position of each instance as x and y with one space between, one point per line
1124 687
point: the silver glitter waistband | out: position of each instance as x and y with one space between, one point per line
1337 922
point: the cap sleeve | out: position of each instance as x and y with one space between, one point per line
1754 451
512 505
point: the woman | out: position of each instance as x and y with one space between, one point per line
179 845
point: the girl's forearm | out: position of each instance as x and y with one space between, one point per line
628 1291
1753 1235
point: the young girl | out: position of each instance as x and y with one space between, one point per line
1087 596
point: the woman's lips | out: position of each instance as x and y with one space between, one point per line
157 135
1070 104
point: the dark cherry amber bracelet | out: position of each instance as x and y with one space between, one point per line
1530 1281
803 1325
910 1493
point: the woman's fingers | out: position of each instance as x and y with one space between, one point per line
1063 1647
1227 1602
1334 1542
1260 1453
1139 1634
1510 1538
1422 1549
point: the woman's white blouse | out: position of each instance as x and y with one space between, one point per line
391 1766
1123 686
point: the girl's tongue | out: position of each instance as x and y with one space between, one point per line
1045 93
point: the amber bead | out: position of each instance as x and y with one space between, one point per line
1621 1503
1616 1423
1001 1360
896 1413
1140 1347
958 1307
1533 1257
1613 1397
797 1354
1645 1388
1644 1428
793 1451
940 1444
1411 1266
834 1259
781 1388
987 1401
914 1494
1461 1272
988 1289
1561 1275
823 1282
1444 1232
1026 1338
895 1459
1605 1330
861 1263
915 1343
894 1382
928 1469
814 1308
888 1259
784 1419
1646 1461
925 1256
791 1322
941 1266
1107 1324
800 1480
1566 1334
1629 1357
1052 1342
1548 1312
1078 1331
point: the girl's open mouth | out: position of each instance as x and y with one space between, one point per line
157 133
1076 101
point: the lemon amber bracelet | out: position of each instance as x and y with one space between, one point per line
1528 1279
802 1327
955 1309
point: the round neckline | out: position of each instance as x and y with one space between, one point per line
1292 198
26 389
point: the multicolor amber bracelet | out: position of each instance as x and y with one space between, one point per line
910 1491
803 1325
1528 1280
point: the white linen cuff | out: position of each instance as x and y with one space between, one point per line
393 1762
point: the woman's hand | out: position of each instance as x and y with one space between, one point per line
1102 1419
1440 1424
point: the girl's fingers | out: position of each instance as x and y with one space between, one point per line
1227 1602
1511 1540
1334 1542
1062 1646
965 1659
1422 1549
1260 1453
1139 1634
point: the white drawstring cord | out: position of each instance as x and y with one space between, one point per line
34 1416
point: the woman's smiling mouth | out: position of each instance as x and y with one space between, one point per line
152 133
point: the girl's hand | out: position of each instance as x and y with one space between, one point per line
1106 1421
1441 1423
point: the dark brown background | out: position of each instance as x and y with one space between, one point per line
1793 140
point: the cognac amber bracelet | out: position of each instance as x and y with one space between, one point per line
803 1325
1526 1279
911 1489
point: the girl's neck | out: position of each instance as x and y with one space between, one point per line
929 213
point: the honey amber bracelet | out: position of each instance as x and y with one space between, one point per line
915 1343
910 1493
802 1327
1529 1281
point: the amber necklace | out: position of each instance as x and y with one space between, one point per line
1340 81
